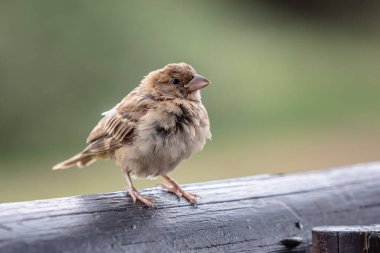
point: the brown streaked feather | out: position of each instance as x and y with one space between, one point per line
117 126
97 132
80 160
102 145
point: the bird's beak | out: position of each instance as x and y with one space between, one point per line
197 83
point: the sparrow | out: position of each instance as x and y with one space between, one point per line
156 126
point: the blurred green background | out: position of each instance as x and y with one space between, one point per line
295 85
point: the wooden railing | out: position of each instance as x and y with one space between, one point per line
266 213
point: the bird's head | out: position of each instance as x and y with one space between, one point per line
178 80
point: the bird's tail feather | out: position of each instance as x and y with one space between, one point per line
79 160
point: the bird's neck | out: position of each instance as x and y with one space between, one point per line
193 96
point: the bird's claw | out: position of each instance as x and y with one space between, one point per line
135 195
171 189
192 197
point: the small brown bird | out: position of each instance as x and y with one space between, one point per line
156 126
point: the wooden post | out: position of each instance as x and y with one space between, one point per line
266 213
346 239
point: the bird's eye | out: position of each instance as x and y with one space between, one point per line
175 81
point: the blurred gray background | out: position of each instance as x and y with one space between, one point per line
295 84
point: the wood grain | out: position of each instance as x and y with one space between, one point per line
346 239
251 214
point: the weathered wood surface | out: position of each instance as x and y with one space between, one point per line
252 214
346 239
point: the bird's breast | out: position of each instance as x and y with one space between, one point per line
168 135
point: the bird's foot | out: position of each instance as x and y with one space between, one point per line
135 195
192 197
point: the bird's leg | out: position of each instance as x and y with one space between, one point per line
177 190
134 193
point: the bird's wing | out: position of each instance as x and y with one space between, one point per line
117 126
